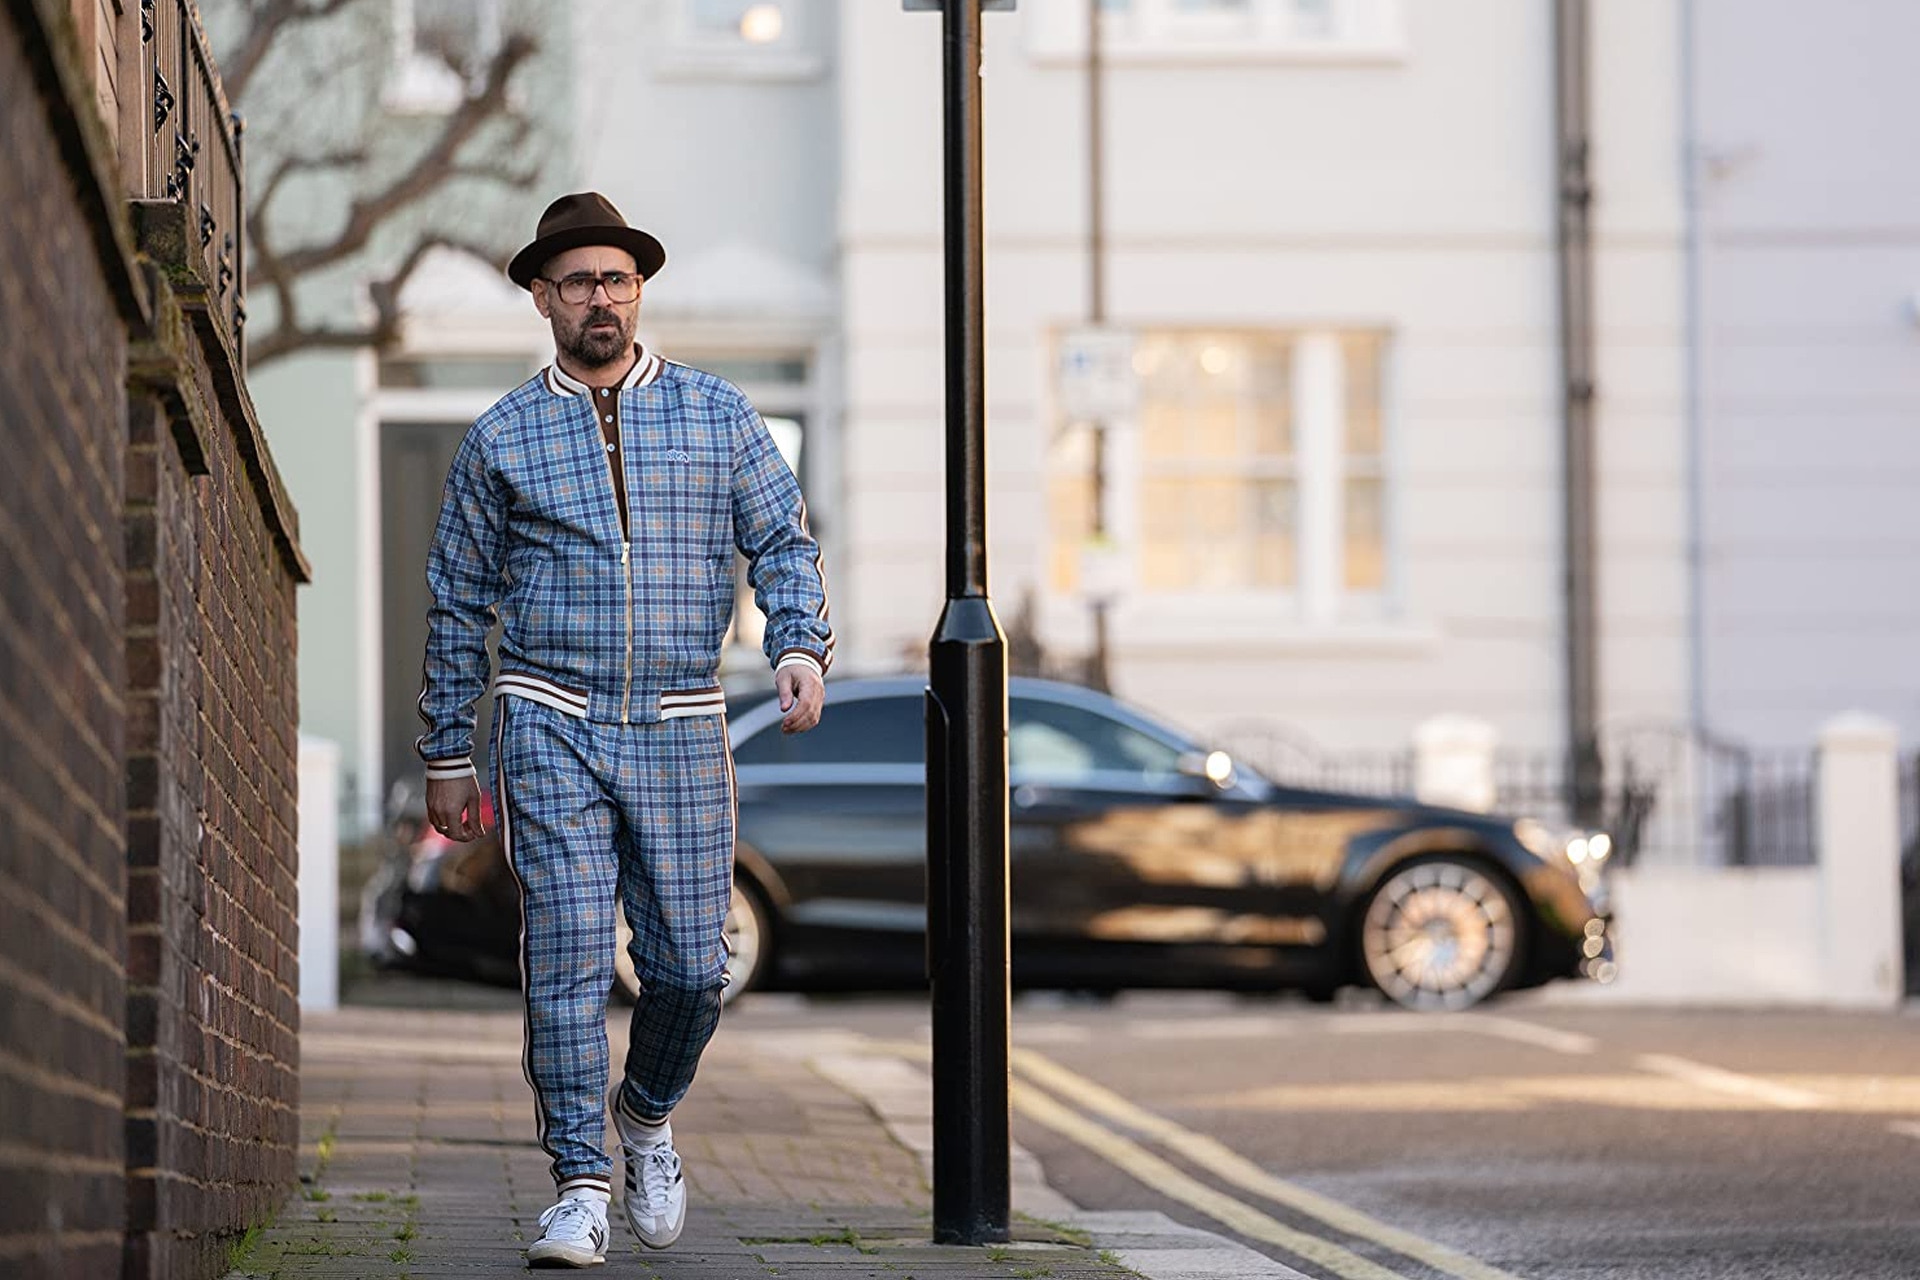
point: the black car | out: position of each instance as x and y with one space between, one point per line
1138 859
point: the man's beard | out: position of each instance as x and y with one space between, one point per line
590 349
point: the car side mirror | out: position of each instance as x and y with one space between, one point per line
1216 767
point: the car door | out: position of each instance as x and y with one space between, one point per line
839 813
1124 857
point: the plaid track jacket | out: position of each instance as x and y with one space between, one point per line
612 611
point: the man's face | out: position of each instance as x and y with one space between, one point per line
597 331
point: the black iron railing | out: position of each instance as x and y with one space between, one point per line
1667 794
193 158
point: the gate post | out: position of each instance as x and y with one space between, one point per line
1859 852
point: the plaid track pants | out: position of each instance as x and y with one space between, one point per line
590 812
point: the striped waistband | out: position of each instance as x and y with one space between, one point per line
674 703
539 689
709 701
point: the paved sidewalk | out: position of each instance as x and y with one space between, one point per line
418 1160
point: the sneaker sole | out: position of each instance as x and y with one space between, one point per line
558 1261
656 1241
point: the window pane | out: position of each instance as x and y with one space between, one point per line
1213 430
1066 742
1363 394
864 731
1070 516
461 33
1272 521
1366 534
1270 407
752 21
1162 433
1313 19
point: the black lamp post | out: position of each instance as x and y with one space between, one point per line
967 947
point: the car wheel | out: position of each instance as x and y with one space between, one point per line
1440 933
747 950
749 942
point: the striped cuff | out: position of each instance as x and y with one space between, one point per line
800 657
446 770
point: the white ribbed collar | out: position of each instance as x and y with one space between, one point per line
645 369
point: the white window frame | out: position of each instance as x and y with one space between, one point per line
1158 31
1319 604
687 53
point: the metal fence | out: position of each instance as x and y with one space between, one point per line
1910 807
1668 795
1672 796
192 155
1286 756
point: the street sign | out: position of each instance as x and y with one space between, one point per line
1093 376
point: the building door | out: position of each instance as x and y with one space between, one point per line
414 457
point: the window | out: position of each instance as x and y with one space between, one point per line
863 731
1254 465
441 49
748 39
736 22
1064 743
1218 471
1133 30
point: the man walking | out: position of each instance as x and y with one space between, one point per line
597 509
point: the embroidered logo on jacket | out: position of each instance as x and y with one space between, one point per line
678 455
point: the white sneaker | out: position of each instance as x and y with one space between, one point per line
656 1198
574 1235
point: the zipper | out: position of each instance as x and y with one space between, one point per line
626 535
626 692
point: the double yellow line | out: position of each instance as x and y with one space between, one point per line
1037 1074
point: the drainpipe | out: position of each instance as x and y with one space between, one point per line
1574 251
1695 370
1099 673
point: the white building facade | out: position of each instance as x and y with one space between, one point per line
1330 233
1334 497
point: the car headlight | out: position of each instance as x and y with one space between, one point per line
1576 848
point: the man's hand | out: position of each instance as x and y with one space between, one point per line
802 694
453 807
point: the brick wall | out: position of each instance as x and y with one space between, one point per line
148 562
62 852
212 788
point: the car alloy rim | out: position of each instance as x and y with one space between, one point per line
743 942
1438 935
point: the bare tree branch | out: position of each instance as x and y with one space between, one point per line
425 176
281 341
384 330
386 293
293 165
452 154
266 23
284 341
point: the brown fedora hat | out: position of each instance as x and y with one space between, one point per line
586 217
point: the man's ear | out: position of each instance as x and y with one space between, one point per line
542 303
